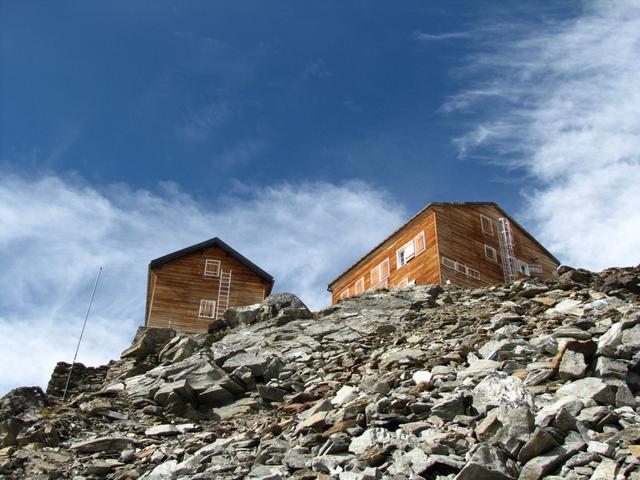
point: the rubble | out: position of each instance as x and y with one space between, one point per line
530 380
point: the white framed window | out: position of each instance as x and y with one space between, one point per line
447 262
523 268
461 267
359 287
207 309
404 282
344 294
486 224
472 273
490 253
380 272
411 249
211 268
419 243
535 269
404 254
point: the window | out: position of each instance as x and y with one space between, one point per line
207 309
461 267
211 268
447 262
359 288
380 272
486 224
472 273
410 249
523 268
535 269
344 294
490 253
419 243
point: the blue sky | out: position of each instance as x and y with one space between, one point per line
301 134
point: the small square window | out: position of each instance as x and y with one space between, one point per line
344 294
535 269
473 273
359 287
211 268
447 262
486 224
207 309
523 268
490 253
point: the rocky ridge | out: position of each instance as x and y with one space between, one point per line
522 381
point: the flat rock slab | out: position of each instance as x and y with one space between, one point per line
103 444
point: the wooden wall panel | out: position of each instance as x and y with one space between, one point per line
422 269
176 288
453 231
461 238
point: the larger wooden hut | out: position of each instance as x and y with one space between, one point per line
473 244
188 289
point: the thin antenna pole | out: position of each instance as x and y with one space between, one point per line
84 324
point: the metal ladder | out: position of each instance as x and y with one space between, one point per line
505 236
224 292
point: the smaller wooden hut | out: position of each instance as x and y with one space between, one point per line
188 289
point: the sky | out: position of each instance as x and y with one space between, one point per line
302 134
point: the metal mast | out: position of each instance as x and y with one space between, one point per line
95 285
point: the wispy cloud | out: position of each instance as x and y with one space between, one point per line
436 37
561 100
55 233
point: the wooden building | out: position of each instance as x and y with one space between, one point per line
188 289
473 244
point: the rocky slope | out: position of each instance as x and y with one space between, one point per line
522 381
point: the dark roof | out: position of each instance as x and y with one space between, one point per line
439 204
214 242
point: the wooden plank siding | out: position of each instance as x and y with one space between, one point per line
461 239
453 231
177 287
423 268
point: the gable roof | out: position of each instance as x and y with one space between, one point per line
214 242
444 204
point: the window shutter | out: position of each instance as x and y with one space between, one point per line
384 267
419 243
375 276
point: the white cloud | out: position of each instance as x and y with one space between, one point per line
431 37
54 233
562 100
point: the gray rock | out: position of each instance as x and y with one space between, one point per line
631 336
589 388
608 367
408 356
478 368
271 394
489 463
539 466
413 462
177 349
541 441
608 342
103 444
605 471
500 390
148 341
256 363
572 366
624 397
